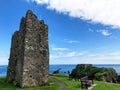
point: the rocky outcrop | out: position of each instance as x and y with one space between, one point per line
118 80
29 55
101 74
107 74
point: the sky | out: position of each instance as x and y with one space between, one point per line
80 31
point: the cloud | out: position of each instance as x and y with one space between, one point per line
4 55
3 60
89 59
54 56
56 48
70 41
71 54
61 54
91 30
104 32
59 49
100 11
41 1
86 57
114 53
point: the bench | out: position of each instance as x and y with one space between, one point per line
85 82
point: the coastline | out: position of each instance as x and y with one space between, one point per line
65 68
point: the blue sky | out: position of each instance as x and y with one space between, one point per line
80 31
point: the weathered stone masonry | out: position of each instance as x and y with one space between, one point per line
29 56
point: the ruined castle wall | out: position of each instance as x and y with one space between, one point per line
13 58
15 66
29 58
36 62
20 52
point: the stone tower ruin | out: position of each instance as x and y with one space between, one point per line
29 56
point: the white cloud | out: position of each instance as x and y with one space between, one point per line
86 57
91 30
114 53
63 55
90 59
56 48
4 55
54 56
71 54
101 11
104 32
4 61
80 54
70 41
60 49
41 1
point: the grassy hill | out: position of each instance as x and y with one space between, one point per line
71 85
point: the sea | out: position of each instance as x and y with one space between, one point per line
64 68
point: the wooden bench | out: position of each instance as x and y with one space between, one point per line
85 82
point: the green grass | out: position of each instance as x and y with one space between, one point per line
71 85
75 85
106 86
8 86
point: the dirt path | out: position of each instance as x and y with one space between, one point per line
62 84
